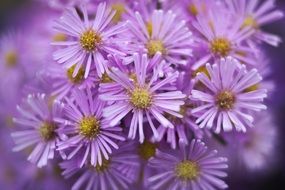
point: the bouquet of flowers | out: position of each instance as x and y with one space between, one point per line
138 94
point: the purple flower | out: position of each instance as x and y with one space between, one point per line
161 33
142 96
257 14
89 41
38 120
226 97
116 173
194 167
221 36
64 83
88 132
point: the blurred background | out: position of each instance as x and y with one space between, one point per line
15 14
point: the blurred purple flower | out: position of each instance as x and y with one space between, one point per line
228 96
38 119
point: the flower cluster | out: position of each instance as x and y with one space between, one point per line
127 94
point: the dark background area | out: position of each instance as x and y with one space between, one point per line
273 180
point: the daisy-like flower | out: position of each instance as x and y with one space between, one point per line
142 96
116 173
38 118
164 33
88 132
194 167
64 83
257 14
222 35
88 41
225 97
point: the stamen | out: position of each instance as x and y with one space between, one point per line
154 46
220 47
78 78
11 58
187 170
47 131
225 100
89 127
140 98
147 150
90 40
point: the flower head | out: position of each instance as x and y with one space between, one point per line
255 15
193 168
161 33
116 173
225 96
222 36
90 136
88 41
142 97
38 117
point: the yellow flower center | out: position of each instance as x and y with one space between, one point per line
79 76
154 46
105 165
59 37
221 47
146 150
249 21
187 170
225 100
11 58
89 127
105 78
140 98
193 9
120 9
89 40
47 131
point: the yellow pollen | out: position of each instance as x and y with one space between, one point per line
105 78
89 40
47 131
146 150
105 165
11 58
59 37
154 46
193 9
220 47
149 28
89 127
249 21
225 100
187 170
140 98
78 78
120 10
